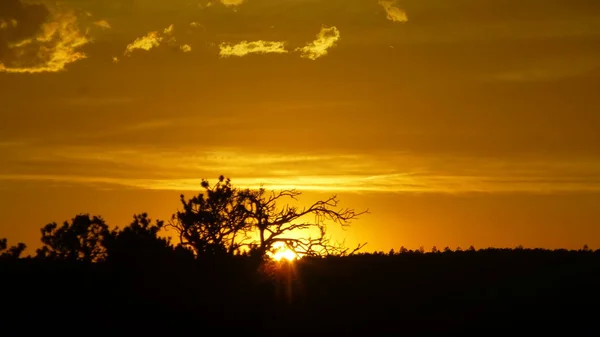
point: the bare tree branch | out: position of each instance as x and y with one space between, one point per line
222 219
274 224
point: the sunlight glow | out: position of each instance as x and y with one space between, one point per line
281 252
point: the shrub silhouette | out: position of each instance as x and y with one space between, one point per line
83 239
13 252
138 243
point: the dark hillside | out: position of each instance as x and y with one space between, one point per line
401 294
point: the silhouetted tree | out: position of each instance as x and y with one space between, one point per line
222 218
139 242
13 252
82 239
215 221
275 224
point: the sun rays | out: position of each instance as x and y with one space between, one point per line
282 253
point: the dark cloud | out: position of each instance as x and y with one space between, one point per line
35 38
18 22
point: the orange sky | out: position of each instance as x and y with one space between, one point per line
455 122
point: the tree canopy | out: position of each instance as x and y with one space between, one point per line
83 238
224 219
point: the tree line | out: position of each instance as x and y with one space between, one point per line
222 220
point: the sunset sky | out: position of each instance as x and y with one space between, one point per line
455 122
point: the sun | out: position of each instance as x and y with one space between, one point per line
281 252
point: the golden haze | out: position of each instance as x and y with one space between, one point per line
455 123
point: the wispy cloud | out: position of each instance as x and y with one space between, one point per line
546 70
160 170
393 13
6 24
103 24
38 39
326 39
254 47
396 183
205 5
149 41
232 2
186 48
169 30
146 42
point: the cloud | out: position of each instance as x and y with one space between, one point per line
169 30
186 48
5 24
545 70
36 39
393 13
255 47
149 168
326 38
146 42
230 3
382 183
103 24
207 5
149 41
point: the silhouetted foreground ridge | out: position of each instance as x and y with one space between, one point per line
408 294
219 279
